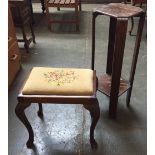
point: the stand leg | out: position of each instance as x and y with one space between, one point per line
135 56
132 25
111 45
121 28
21 115
40 111
93 40
94 110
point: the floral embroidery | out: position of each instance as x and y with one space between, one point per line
60 77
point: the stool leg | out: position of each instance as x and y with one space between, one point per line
135 56
40 111
94 110
19 110
121 28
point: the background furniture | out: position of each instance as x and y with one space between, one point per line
139 3
111 83
14 64
59 88
22 18
76 4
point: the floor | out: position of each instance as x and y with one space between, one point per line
64 129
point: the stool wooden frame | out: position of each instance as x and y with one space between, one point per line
111 83
89 102
64 4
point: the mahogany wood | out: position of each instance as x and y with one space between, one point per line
89 102
14 56
111 83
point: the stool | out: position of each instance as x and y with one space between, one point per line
75 4
21 13
59 86
111 83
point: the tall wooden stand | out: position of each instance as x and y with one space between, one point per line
111 83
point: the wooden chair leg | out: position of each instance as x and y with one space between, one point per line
43 7
80 7
94 110
40 111
48 16
26 42
21 115
32 32
58 8
77 18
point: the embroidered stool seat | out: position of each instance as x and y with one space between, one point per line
59 86
59 81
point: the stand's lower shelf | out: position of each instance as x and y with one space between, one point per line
104 85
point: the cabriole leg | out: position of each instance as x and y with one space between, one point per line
21 115
94 110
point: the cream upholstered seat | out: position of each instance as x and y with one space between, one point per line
59 81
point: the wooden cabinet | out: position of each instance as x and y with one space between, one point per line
14 56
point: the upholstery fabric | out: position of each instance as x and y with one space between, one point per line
59 81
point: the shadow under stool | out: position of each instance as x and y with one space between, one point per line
111 83
59 86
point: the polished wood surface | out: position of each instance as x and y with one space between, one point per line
111 83
14 56
118 10
104 85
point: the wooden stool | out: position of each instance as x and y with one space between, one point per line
76 4
21 13
111 83
59 86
